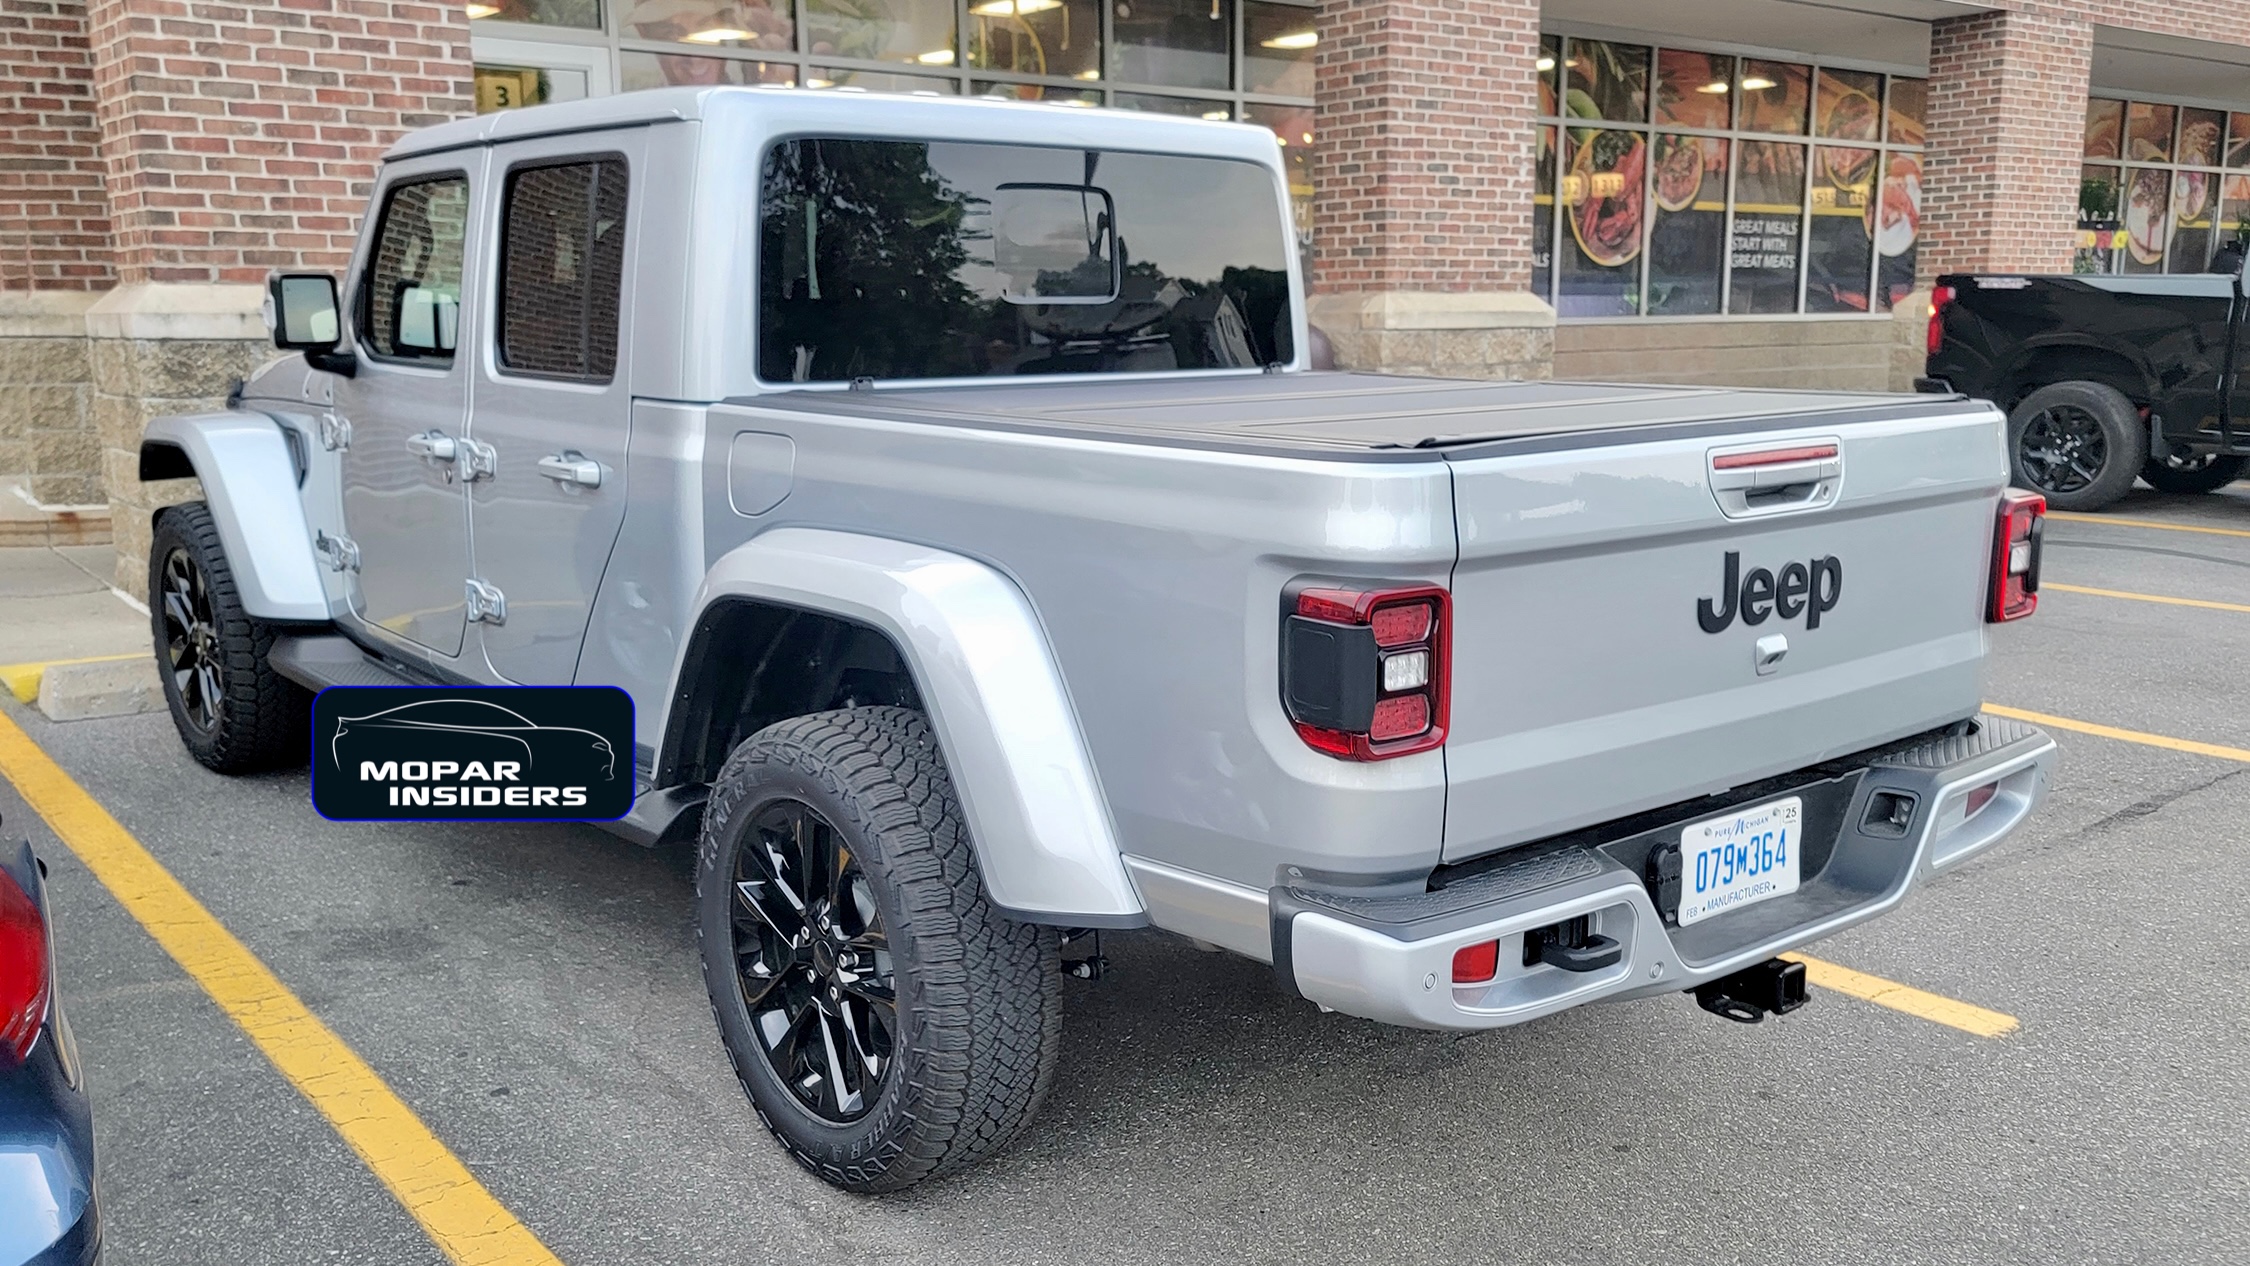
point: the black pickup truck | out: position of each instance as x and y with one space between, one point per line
2103 378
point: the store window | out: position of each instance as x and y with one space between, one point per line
1681 182
2160 191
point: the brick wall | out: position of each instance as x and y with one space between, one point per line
240 137
2006 124
54 217
1423 180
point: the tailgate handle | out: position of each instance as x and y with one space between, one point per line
1776 478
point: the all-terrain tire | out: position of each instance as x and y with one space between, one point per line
2209 475
978 1009
2079 443
255 718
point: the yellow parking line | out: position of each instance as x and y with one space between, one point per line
2142 737
1937 1009
465 1221
2204 603
22 680
2114 521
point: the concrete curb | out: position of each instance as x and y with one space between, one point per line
93 688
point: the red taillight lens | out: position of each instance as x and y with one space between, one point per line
1939 297
23 968
1364 670
1980 797
2015 556
1476 964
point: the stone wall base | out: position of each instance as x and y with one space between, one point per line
48 451
157 349
1856 354
1439 334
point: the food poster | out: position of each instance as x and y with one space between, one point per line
1841 253
1687 241
2101 233
2195 212
2148 132
1775 96
1543 216
2147 218
2105 129
1604 185
2238 140
1694 89
1896 223
1768 225
1909 102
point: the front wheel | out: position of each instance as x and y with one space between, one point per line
2196 473
886 1021
2080 443
233 711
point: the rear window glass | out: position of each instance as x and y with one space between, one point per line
897 259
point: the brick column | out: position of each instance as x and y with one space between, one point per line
1423 186
54 256
238 138
2007 123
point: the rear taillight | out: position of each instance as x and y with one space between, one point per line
2015 556
1939 297
23 969
1475 964
1364 670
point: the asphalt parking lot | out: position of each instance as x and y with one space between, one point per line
532 994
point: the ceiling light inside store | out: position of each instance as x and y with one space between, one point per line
1757 83
1716 87
716 35
1217 116
936 57
1545 63
483 10
1012 8
1087 74
820 83
1293 42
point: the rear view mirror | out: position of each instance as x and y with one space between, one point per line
301 311
1055 244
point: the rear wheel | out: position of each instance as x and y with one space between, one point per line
2192 473
234 713
2080 443
886 1021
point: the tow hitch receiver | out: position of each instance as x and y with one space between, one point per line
1745 997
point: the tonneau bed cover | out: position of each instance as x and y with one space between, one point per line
1358 415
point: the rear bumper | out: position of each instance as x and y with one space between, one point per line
1391 958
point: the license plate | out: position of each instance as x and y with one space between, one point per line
1739 860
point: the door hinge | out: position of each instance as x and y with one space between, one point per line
487 605
341 554
477 461
335 432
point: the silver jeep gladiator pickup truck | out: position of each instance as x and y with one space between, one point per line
948 484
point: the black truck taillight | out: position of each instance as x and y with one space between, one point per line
1939 297
1364 668
2016 543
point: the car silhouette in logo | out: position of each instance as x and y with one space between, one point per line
465 730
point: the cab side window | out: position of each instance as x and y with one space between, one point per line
562 264
410 301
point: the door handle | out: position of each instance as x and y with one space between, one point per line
572 467
432 446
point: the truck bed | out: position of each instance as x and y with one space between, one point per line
1361 416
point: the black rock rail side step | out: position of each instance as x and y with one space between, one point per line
318 661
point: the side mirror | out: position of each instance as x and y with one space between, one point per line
429 319
301 311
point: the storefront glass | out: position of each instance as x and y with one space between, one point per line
584 15
1036 37
2169 207
1693 183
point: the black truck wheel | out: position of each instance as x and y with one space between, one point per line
2204 472
234 712
2080 443
887 1022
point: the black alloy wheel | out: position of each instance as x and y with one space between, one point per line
2081 443
2063 449
191 639
2190 473
814 962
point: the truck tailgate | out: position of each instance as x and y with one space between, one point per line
1593 674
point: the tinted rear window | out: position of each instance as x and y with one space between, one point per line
896 259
